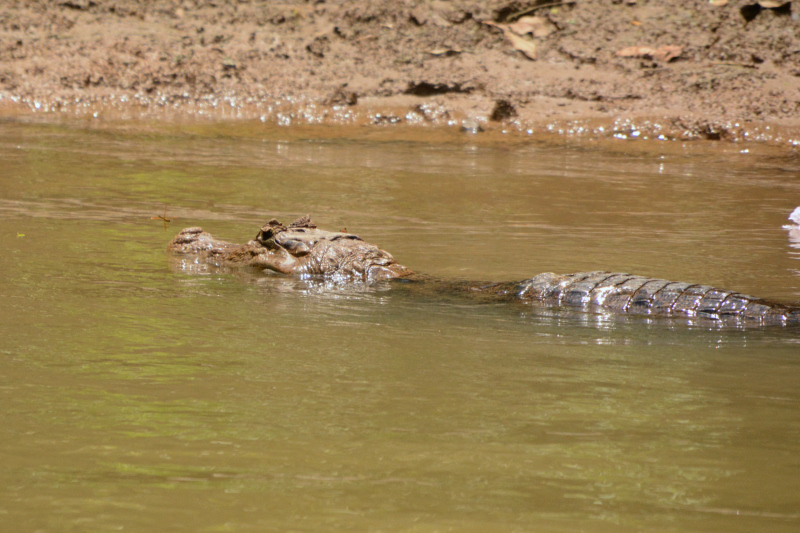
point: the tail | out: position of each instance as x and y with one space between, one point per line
639 295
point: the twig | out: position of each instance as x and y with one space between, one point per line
524 12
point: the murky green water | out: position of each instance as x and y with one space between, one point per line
137 397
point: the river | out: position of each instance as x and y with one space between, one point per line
136 396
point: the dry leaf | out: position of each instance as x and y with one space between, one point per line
520 27
520 43
719 3
523 45
536 26
663 53
668 53
771 4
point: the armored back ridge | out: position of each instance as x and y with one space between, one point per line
303 250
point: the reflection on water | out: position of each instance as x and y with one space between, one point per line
794 233
794 237
139 396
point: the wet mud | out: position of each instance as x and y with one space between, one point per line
591 68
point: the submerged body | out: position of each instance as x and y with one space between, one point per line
302 250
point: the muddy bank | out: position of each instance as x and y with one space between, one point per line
630 69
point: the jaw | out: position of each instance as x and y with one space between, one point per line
204 246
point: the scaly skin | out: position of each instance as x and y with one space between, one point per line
638 295
303 250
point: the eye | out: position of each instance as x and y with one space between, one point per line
295 247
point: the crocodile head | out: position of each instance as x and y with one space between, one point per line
299 249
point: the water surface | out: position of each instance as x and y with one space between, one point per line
136 396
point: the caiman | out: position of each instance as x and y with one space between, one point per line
301 249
